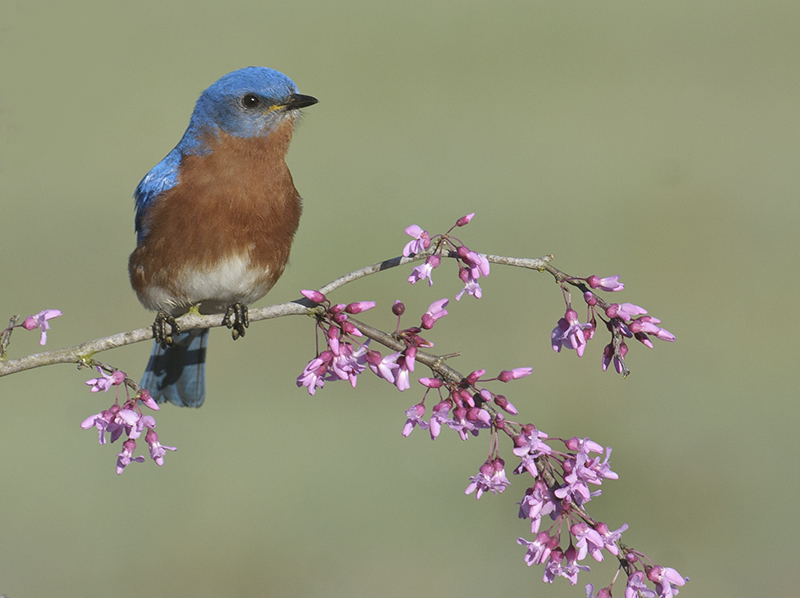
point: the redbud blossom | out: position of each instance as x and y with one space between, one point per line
359 306
126 457
421 240
398 308
609 284
314 296
515 374
569 333
40 321
464 220
435 311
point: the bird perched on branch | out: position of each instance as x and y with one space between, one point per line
215 221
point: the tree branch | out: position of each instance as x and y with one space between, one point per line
81 353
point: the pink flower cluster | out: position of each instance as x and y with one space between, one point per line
125 419
34 322
471 265
463 407
345 358
577 468
624 320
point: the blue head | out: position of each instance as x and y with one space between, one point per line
249 102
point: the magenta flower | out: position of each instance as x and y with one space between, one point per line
608 354
157 450
539 550
610 284
471 287
515 374
440 416
538 502
314 296
414 415
589 541
424 270
610 538
405 364
359 306
636 587
435 311
624 311
647 325
464 220
147 400
421 240
383 367
107 380
312 376
126 457
101 421
666 579
40 321
569 333
491 477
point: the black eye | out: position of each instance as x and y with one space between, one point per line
250 100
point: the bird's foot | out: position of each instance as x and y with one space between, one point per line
237 319
160 334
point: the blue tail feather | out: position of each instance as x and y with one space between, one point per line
178 373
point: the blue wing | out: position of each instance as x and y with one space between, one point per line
162 177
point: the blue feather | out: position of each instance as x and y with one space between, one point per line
178 373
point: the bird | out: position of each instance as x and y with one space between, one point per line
215 221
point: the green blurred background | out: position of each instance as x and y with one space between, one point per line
656 140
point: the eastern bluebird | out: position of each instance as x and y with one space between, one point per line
215 221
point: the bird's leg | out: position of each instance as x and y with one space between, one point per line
163 319
239 321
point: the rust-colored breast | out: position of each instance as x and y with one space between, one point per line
236 204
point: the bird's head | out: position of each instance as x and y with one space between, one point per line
250 102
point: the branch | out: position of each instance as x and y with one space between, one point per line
81 353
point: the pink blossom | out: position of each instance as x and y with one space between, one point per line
441 415
608 354
314 296
539 550
126 457
464 220
359 306
666 579
589 541
421 240
610 538
636 588
537 502
383 367
40 321
101 421
624 311
435 311
424 270
491 477
157 450
609 284
312 376
569 333
515 374
471 287
414 418
107 381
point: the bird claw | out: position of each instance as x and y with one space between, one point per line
239 321
160 334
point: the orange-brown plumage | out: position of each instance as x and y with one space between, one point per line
238 199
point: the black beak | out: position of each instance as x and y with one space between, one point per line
298 100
